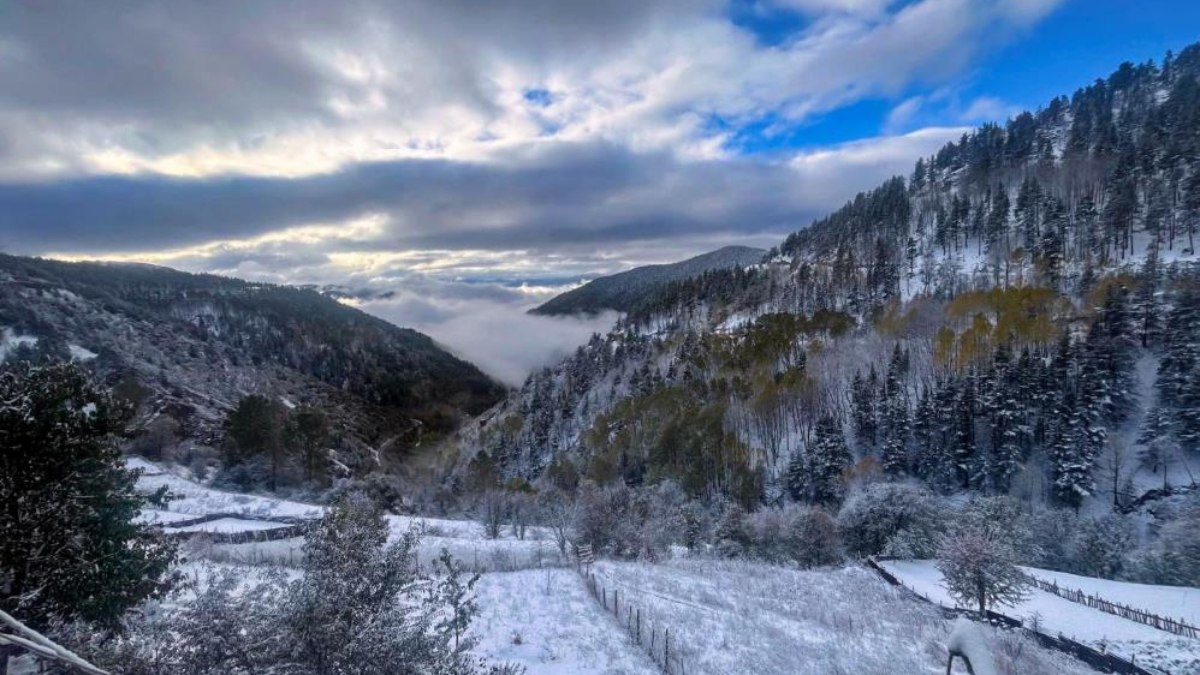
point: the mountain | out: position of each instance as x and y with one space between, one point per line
626 290
1017 316
190 346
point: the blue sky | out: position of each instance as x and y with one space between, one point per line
470 159
1077 42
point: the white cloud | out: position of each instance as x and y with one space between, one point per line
500 338
276 89
903 113
988 109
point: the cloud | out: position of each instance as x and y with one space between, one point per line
903 113
988 109
500 338
306 87
561 198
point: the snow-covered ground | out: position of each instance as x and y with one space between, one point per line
463 538
724 617
546 621
1174 602
1097 629
738 617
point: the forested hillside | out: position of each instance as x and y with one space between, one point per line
625 291
184 349
1018 316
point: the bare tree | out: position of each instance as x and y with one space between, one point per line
558 510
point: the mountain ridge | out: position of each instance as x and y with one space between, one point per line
195 344
624 291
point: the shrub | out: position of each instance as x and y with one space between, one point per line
893 518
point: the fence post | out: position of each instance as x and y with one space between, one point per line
667 648
616 604
639 625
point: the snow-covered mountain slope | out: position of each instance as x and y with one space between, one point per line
977 325
624 291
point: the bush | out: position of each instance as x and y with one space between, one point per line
1100 546
893 518
805 536
359 608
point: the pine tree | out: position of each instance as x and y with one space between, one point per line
71 545
796 478
829 459
1158 443
865 410
895 420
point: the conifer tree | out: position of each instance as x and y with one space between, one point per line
829 459
71 545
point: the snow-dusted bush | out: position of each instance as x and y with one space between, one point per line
732 535
805 536
893 518
1100 546
1005 517
1051 530
492 511
360 607
626 522
384 489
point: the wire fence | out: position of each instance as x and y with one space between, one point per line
651 636
1177 627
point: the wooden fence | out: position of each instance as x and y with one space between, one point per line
1101 661
1115 608
289 528
655 639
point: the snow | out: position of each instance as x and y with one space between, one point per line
80 353
1057 615
967 639
1175 602
546 621
198 500
162 517
464 539
10 342
742 617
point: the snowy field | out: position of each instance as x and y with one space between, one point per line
724 617
463 538
1175 602
1153 647
737 617
546 621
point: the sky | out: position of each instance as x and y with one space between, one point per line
450 163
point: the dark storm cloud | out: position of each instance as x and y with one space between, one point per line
571 195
